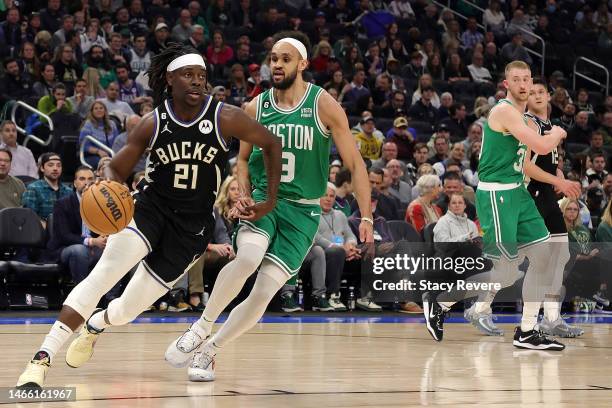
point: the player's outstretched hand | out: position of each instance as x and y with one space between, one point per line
366 232
571 189
255 212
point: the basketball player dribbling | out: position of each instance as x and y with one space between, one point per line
187 136
307 119
509 218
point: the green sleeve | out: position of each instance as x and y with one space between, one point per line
604 233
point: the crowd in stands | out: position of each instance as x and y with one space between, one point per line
416 81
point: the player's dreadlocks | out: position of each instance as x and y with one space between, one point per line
159 65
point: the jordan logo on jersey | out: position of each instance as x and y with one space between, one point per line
201 233
166 129
205 126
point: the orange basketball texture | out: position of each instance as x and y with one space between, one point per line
107 207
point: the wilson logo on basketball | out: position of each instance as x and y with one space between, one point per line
110 203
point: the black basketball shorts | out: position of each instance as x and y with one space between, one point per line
546 201
175 240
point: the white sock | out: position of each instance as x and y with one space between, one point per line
530 316
202 329
97 321
552 309
246 314
56 338
251 250
483 305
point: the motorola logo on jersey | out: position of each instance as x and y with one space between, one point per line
205 126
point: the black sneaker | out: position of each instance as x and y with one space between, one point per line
534 340
434 316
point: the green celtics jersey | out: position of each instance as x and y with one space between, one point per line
306 146
502 156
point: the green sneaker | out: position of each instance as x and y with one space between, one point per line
321 304
288 304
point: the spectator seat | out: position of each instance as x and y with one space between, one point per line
401 230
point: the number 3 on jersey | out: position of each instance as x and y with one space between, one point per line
288 167
518 164
182 176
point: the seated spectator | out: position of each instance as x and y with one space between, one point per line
41 195
130 91
91 37
596 145
453 184
334 168
159 41
356 89
594 176
11 188
421 151
183 28
582 251
399 188
344 192
474 135
228 195
456 156
78 248
92 80
421 210
15 84
386 206
389 152
81 102
440 147
514 50
471 36
494 19
478 72
398 104
425 81
22 159
423 110
385 191
47 81
455 69
98 59
369 146
582 101
580 131
98 125
140 56
114 106
403 137
455 225
219 53
594 200
456 123
415 69
55 102
121 141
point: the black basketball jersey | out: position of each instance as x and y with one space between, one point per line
186 160
547 162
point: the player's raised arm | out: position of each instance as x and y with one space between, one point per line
506 118
235 122
334 118
122 163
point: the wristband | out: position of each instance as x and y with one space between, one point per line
368 220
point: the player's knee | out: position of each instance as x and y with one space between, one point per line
249 258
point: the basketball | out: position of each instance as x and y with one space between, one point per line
107 207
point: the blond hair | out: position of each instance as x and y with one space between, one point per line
222 203
607 216
92 78
516 65
563 204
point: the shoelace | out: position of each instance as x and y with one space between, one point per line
187 342
202 360
440 317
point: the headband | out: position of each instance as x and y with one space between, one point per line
296 44
186 60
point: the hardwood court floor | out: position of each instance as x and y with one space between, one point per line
329 365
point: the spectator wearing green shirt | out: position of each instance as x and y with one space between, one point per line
56 101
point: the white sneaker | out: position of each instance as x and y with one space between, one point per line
202 367
81 349
180 351
334 301
35 372
367 304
